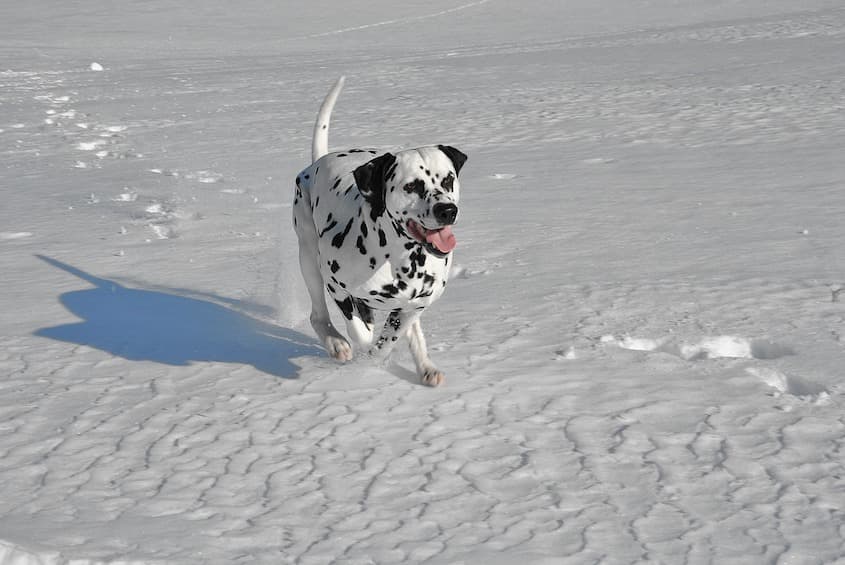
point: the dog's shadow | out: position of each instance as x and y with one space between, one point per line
152 325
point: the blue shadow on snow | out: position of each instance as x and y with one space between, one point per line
147 325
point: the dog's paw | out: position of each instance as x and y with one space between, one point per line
433 377
339 348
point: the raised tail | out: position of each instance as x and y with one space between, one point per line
320 141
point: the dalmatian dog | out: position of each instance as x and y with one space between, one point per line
375 231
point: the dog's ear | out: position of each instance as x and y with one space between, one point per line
370 178
457 157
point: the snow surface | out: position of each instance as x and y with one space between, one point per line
643 340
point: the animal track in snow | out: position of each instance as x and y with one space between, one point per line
711 347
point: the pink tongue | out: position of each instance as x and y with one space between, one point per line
443 239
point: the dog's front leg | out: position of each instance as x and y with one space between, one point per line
398 322
408 323
429 374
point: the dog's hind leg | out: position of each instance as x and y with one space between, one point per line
335 344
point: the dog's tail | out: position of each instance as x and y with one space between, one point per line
320 142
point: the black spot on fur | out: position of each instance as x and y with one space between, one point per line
298 181
372 262
336 183
360 245
394 321
363 229
341 154
448 182
416 187
329 226
337 241
382 238
345 307
389 291
364 311
335 266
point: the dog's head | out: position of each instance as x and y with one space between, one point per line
418 190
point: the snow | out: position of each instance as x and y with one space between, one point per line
642 338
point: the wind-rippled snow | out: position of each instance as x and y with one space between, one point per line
642 339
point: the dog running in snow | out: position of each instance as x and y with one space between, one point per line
375 231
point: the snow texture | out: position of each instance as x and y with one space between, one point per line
642 340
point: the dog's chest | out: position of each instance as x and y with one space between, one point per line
390 277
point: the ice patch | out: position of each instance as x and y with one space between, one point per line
163 232
710 347
165 172
90 145
791 384
639 344
503 176
461 272
127 196
156 209
206 177
9 235
96 67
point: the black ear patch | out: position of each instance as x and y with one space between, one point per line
370 178
457 157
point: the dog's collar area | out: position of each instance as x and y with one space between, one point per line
440 242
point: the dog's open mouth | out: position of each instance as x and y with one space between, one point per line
440 241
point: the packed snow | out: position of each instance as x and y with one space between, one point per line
643 337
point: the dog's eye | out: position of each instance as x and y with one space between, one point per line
417 186
448 182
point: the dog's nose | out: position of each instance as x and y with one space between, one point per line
445 213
